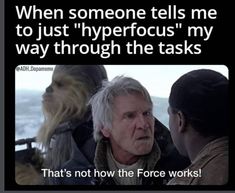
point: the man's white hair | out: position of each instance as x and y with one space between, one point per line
102 102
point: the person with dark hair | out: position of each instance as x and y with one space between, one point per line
199 125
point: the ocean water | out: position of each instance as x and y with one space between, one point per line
28 114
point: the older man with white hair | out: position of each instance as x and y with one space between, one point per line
124 128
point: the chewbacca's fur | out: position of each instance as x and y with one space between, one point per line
26 174
70 90
74 107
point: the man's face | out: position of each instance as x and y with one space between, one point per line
174 122
132 131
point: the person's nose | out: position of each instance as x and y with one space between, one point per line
141 122
49 89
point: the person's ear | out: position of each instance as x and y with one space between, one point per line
181 122
105 132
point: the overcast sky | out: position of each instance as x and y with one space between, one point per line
156 78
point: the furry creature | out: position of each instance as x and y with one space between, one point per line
64 104
66 99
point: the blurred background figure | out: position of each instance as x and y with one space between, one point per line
66 134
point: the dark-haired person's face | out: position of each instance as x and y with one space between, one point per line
174 124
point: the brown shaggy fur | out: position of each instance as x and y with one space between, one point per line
65 99
26 174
